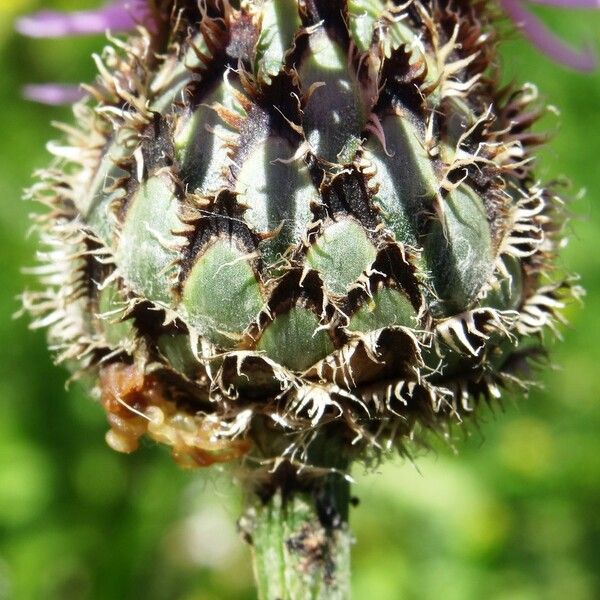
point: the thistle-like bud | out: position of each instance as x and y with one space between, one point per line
281 222
296 234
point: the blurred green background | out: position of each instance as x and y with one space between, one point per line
514 515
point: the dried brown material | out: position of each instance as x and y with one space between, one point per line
135 405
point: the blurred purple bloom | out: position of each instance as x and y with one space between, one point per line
541 37
120 15
53 93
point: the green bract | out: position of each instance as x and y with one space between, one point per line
279 218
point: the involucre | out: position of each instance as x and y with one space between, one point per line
300 229
297 216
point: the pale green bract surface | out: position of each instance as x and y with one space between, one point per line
334 115
221 295
295 340
278 195
387 308
458 250
148 246
341 255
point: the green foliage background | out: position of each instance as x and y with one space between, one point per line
515 515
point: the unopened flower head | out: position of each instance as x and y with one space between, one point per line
278 223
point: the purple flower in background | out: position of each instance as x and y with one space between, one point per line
541 37
123 15
53 93
118 16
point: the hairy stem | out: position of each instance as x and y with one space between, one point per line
300 540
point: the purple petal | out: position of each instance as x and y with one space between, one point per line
546 41
569 3
53 93
120 15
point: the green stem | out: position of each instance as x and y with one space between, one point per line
300 538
